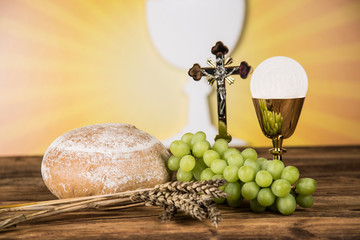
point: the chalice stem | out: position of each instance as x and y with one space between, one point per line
277 149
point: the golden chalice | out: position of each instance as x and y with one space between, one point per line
278 87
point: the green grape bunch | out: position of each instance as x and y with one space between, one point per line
271 120
266 184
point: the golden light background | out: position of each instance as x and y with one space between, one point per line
66 64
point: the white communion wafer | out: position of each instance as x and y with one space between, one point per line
103 159
279 77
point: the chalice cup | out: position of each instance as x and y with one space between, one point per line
278 87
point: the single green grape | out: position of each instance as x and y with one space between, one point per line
179 148
200 135
260 161
173 163
256 206
275 167
183 176
263 178
250 190
286 205
305 201
199 167
235 160
206 174
218 166
281 187
187 138
220 146
246 174
209 156
265 197
306 186
197 137
236 203
249 153
231 173
229 152
233 191
187 163
200 148
291 174
252 163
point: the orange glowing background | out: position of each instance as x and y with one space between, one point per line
66 64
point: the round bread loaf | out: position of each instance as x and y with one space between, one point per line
103 159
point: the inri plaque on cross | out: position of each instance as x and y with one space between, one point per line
220 72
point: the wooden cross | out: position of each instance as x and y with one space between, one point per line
220 73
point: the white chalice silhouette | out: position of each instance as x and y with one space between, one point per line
183 32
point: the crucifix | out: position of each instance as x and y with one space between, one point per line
220 72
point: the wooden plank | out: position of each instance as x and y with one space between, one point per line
335 214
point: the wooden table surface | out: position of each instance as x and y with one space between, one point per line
335 214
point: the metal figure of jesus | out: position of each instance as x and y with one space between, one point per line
220 73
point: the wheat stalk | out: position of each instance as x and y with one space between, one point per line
192 198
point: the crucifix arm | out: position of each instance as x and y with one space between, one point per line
206 71
243 70
232 71
203 71
196 72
